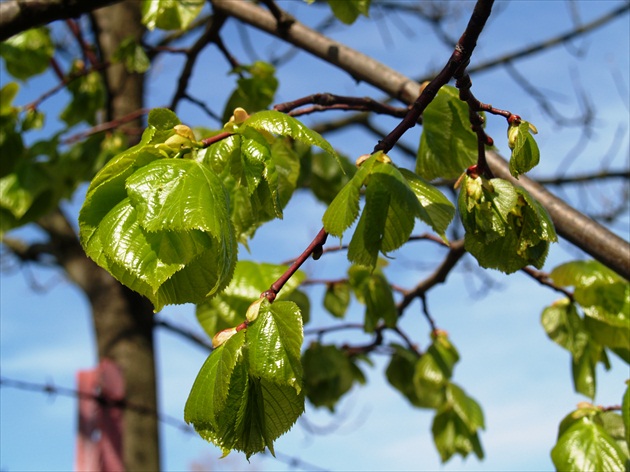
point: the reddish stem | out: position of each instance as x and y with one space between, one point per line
315 248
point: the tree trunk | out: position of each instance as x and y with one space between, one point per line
123 320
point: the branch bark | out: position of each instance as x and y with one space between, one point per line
588 235
20 15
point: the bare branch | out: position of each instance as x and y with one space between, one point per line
20 15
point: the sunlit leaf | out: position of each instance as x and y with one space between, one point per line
28 53
348 11
587 446
275 340
170 14
525 154
447 145
249 280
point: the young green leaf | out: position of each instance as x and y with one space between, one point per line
447 145
344 209
434 370
337 298
282 124
253 93
435 209
372 289
388 217
160 225
88 97
585 445
249 280
132 55
328 374
506 229
249 392
400 370
452 435
564 326
28 53
583 274
210 391
170 14
347 11
274 340
254 414
525 154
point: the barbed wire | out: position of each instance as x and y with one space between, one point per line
50 388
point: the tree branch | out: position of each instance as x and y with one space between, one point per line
578 229
20 15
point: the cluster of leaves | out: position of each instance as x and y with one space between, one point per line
35 177
394 198
595 320
165 216
249 390
425 380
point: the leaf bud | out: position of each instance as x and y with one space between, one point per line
240 115
177 141
185 131
222 336
252 311
512 135
474 189
361 159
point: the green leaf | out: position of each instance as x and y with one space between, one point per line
447 145
434 370
337 298
249 280
585 445
20 189
349 10
583 368
506 229
274 340
170 14
210 391
322 176
435 209
160 226
34 119
373 290
28 53
180 195
282 124
132 55
388 217
525 154
328 374
344 209
582 274
255 413
625 413
564 326
401 370
465 407
253 93
88 97
452 436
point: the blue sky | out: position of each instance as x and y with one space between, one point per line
521 379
